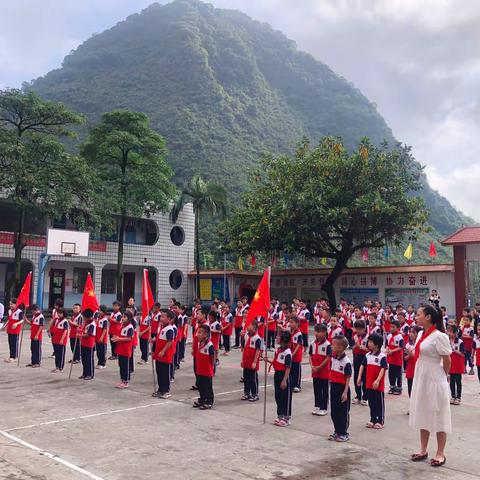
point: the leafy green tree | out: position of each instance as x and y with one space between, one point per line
325 202
206 198
36 173
129 158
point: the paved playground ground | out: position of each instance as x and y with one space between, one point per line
55 429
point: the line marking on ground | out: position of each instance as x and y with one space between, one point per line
52 456
82 417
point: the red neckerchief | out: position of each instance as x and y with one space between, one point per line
426 334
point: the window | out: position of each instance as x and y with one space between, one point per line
176 279
79 279
177 236
109 280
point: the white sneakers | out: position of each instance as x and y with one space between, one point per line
317 411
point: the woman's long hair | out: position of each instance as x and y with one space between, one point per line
435 315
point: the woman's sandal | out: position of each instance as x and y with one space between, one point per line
418 457
438 463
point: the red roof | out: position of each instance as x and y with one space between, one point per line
463 236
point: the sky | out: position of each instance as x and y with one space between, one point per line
417 60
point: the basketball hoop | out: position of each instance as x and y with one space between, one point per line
67 243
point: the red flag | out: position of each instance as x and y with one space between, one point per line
253 260
147 296
89 299
365 254
24 295
433 250
261 300
274 259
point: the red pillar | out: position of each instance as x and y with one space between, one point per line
459 256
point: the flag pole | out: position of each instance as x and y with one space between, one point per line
266 360
20 346
73 358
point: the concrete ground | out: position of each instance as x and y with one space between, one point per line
55 429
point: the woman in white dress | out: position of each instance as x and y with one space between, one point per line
430 403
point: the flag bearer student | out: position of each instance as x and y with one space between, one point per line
205 366
163 354
124 347
201 320
144 333
282 363
114 327
14 328
76 325
36 335
227 328
304 318
297 354
101 336
58 304
360 349
250 362
59 339
215 332
375 364
86 338
271 326
320 353
238 323
457 366
394 351
340 374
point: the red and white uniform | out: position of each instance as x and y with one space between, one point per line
166 334
125 348
238 323
74 329
205 358
115 323
253 343
145 322
334 332
58 329
374 363
195 337
319 351
38 321
215 332
227 325
90 330
340 369
360 341
467 338
394 342
102 326
373 329
14 316
410 318
297 339
155 324
304 317
282 359
410 371
457 359
476 344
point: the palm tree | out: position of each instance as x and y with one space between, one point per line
206 197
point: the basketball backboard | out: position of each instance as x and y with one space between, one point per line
67 243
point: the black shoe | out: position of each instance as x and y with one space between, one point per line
193 387
196 405
254 398
81 378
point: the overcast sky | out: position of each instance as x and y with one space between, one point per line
418 60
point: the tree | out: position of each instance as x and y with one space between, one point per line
206 198
325 202
130 161
35 170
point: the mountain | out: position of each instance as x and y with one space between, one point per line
222 89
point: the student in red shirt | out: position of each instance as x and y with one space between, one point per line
14 328
205 365
215 332
360 349
163 354
227 328
155 323
201 319
410 359
271 326
36 335
282 363
59 339
372 326
144 334
183 321
101 336
58 304
124 348
114 327
238 323
304 322
334 329
467 334
375 364
320 352
457 366
76 325
394 352
87 344
297 354
340 374
250 362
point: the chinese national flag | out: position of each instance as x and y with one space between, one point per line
433 250
89 299
147 296
261 301
24 295
253 260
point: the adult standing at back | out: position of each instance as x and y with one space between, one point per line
429 403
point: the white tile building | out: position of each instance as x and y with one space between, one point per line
164 248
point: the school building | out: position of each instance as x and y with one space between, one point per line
155 243
391 284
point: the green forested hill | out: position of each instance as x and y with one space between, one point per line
221 88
